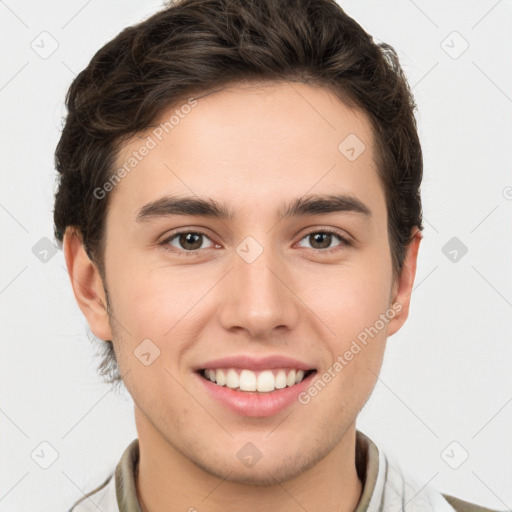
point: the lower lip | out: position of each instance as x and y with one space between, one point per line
254 404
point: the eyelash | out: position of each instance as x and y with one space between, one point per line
165 243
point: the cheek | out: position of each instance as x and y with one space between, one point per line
350 298
353 309
153 300
166 306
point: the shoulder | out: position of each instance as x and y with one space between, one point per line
465 506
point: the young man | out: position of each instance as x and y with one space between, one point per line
240 214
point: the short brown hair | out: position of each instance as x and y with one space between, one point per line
196 46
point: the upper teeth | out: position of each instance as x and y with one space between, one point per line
247 380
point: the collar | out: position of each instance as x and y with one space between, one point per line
385 487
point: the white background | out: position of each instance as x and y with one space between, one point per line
446 375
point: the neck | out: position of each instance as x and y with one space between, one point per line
168 481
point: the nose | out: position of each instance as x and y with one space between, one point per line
258 297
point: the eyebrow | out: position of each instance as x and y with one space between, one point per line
208 207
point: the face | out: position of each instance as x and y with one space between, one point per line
284 270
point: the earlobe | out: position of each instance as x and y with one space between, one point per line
87 284
403 287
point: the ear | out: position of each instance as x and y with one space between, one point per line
402 288
87 284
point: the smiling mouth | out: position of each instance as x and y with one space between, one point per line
264 381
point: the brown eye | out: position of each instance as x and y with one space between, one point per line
322 240
190 241
187 241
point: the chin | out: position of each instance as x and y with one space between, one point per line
264 472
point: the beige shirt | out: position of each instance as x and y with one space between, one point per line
385 487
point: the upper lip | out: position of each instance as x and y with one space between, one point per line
255 363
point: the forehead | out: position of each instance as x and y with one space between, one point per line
253 146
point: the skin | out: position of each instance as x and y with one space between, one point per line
254 147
